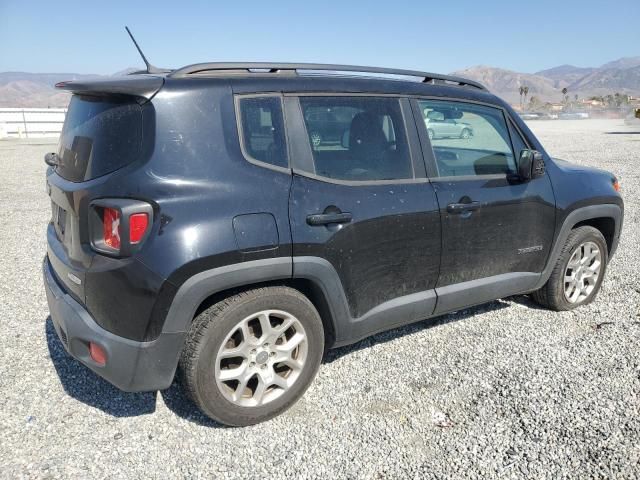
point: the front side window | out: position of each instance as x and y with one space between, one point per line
357 138
262 131
468 139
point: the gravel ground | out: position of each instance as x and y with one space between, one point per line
504 390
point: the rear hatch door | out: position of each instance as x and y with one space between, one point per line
102 133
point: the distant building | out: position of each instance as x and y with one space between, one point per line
591 102
634 101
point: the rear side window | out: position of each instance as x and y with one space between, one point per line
357 138
99 136
262 130
468 139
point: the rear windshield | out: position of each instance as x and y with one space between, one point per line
100 135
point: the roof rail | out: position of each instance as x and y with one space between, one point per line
234 67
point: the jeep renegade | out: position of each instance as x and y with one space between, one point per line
233 221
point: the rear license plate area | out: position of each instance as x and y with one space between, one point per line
59 219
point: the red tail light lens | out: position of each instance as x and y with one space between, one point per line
616 185
111 227
97 354
119 226
137 227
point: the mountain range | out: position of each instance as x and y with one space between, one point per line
620 76
19 89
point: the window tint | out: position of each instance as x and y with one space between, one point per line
99 136
263 130
357 138
468 139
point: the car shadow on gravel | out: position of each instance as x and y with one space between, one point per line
527 301
89 388
177 401
412 328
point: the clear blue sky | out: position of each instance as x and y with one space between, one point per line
441 35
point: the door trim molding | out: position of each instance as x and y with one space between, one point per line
481 290
385 316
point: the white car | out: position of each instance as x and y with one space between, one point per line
440 127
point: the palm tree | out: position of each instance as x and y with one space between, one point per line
618 99
521 94
564 94
526 92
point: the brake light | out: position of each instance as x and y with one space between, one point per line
616 185
111 228
119 226
137 227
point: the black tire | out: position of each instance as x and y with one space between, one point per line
551 295
209 330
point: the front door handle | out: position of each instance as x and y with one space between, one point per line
329 218
463 207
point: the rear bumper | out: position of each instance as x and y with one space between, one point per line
131 366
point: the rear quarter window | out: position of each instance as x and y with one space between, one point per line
99 136
262 130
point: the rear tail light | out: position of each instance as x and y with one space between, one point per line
111 228
137 227
119 226
616 184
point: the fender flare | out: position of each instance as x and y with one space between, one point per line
609 210
204 284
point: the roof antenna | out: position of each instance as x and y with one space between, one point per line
150 68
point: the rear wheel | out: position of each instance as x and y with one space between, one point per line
578 273
251 356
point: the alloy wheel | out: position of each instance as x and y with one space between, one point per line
582 272
261 358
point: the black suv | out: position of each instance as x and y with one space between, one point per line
233 221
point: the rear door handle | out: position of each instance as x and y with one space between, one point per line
329 218
463 207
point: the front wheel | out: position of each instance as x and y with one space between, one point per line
578 273
251 356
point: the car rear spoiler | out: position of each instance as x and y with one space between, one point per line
144 87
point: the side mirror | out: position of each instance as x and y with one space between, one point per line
530 165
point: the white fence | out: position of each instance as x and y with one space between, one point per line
31 122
